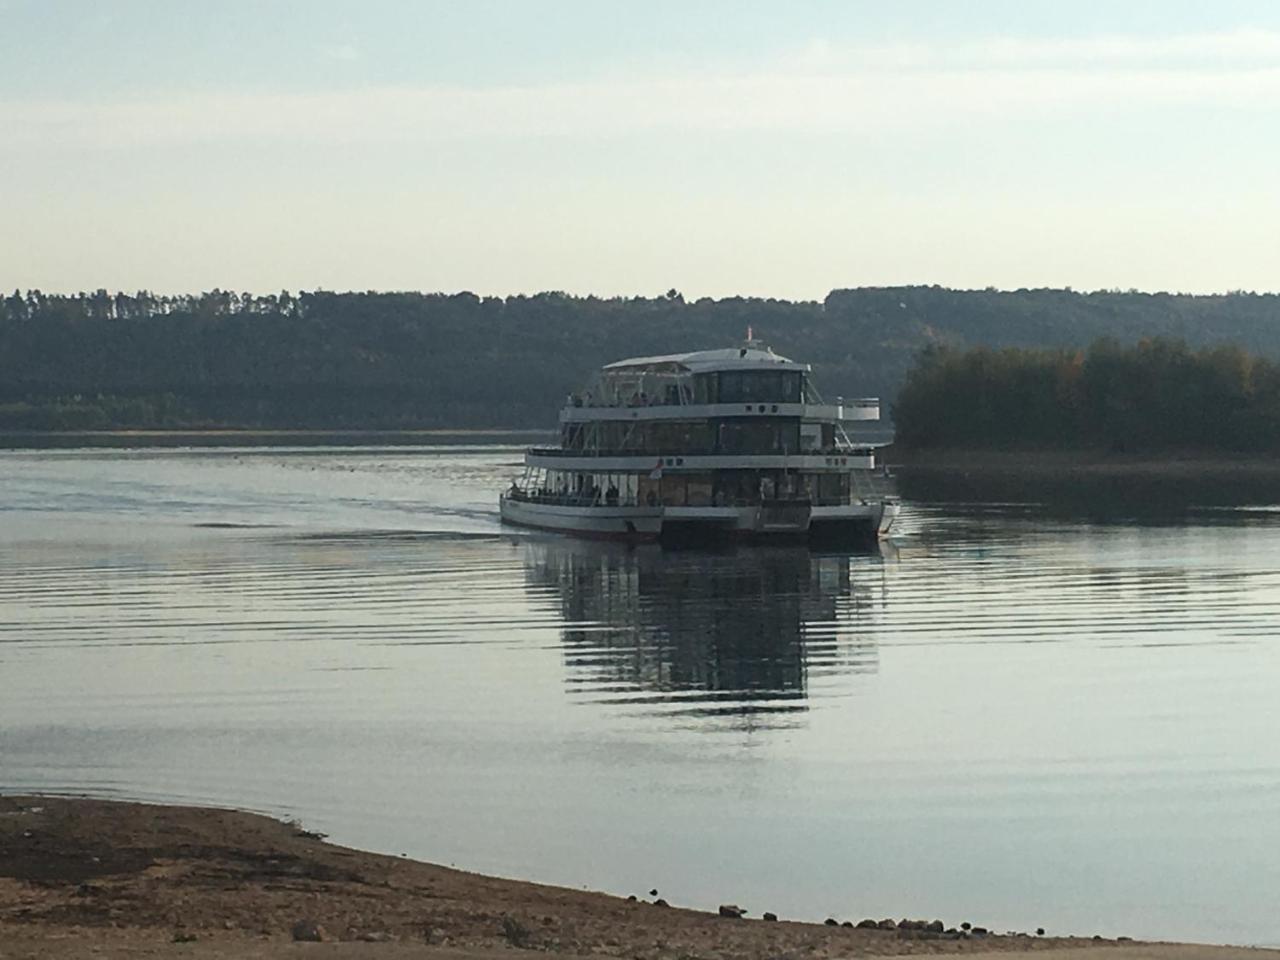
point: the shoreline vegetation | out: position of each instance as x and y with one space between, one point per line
408 360
230 437
1151 397
85 877
1151 428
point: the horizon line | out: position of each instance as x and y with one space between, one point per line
667 295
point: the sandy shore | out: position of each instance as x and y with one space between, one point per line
92 878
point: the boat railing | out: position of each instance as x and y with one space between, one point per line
636 400
599 498
602 499
621 452
835 451
580 400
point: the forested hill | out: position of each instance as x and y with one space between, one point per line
403 360
1157 394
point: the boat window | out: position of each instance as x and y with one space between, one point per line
833 488
699 489
758 436
704 388
671 490
648 491
678 436
755 386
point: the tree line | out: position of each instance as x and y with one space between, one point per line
99 360
1156 394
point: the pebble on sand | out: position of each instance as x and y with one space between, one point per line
307 931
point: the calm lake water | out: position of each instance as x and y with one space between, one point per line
1003 717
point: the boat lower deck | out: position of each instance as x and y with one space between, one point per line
777 520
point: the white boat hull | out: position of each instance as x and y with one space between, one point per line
847 521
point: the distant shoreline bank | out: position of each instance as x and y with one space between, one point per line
948 460
1098 484
930 465
232 437
1083 464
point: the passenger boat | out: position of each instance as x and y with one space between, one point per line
712 445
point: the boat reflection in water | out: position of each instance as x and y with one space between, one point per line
745 638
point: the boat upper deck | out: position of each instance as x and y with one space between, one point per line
750 357
744 381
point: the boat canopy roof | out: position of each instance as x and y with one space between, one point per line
707 361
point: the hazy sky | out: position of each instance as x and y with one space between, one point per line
717 146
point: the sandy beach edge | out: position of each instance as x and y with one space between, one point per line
83 877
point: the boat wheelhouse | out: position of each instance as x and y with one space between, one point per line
716 444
